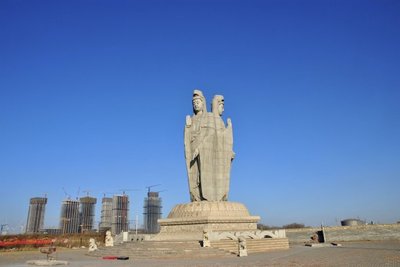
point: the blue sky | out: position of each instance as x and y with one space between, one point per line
94 94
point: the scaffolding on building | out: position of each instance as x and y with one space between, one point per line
120 210
69 219
106 214
152 212
88 206
35 221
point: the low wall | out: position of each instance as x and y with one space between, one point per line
40 240
347 233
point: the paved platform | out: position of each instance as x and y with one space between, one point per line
373 253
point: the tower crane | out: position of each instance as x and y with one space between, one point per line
150 186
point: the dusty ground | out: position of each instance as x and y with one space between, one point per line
373 253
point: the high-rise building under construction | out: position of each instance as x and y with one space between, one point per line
69 219
88 207
120 210
106 214
152 212
35 221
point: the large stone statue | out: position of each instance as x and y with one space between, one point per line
208 155
208 150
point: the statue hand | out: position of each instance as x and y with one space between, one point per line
229 122
195 154
188 121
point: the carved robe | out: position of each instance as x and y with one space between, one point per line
195 135
208 154
220 155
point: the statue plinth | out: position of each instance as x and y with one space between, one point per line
188 221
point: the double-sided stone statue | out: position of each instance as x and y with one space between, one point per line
208 150
208 155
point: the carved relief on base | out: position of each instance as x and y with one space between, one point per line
188 221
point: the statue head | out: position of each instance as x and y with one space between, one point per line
218 105
199 102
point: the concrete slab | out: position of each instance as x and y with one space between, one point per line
46 262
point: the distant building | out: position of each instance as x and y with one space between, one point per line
106 214
88 207
69 219
51 231
4 229
120 210
36 211
352 222
152 212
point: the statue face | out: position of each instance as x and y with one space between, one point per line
197 105
220 108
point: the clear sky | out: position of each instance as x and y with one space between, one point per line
94 94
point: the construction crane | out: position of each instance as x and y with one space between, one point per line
105 193
127 190
68 196
87 192
77 195
149 187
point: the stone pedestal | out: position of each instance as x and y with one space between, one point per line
188 221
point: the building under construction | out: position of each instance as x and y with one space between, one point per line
88 207
69 219
120 210
106 214
35 221
152 212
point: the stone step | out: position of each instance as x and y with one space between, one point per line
253 245
167 255
162 249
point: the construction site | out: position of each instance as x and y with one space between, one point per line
78 216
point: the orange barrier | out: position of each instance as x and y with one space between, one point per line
26 242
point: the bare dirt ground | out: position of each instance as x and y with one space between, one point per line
367 253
